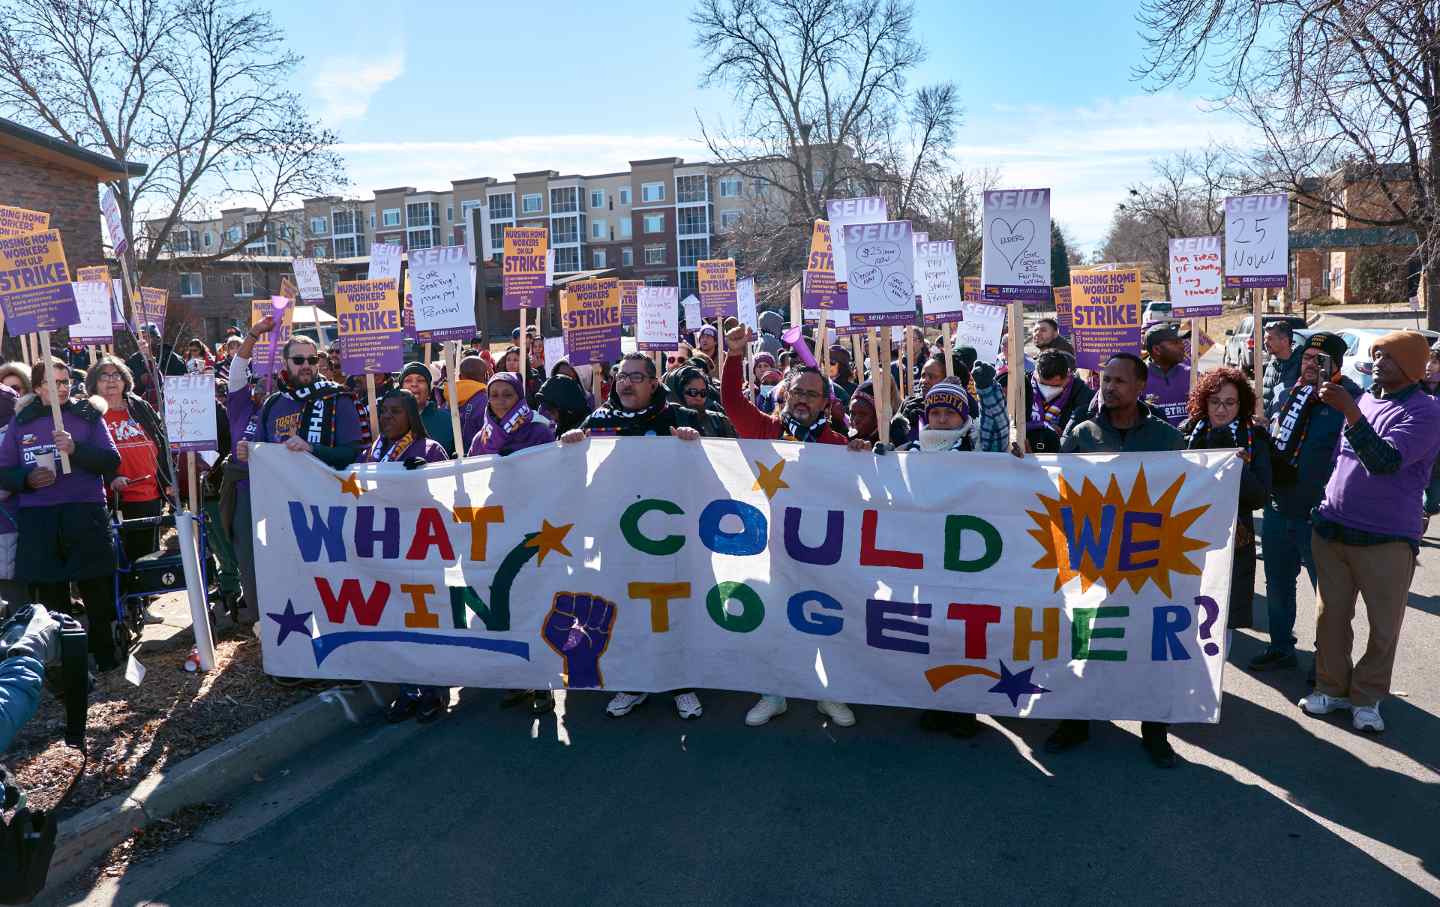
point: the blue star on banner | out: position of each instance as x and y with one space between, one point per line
290 622
1016 685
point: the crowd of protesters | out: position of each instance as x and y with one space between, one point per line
1345 480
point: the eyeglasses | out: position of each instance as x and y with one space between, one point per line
694 392
632 377
305 360
806 395
62 382
108 376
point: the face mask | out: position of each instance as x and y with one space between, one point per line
934 439
767 391
1050 393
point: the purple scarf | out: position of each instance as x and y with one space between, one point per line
496 433
1047 415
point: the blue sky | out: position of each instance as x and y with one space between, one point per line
457 90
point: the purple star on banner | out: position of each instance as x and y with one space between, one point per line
1016 685
290 622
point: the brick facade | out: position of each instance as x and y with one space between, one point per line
71 197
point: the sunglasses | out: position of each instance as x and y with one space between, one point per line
305 360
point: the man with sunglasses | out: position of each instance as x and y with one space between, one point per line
308 414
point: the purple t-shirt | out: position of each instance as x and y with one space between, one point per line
1168 393
1386 504
23 442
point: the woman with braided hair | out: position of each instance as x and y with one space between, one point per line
1220 408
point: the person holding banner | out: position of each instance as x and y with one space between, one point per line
64 529
510 424
864 417
695 391
1123 424
1055 396
564 401
416 379
804 419
1221 411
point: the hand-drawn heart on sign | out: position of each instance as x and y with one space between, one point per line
1012 241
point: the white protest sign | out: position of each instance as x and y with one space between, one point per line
919 238
836 318
657 318
307 276
114 225
1257 240
554 350
981 329
745 301
441 295
881 273
843 211
117 304
693 321
1015 254
550 267
93 301
940 297
1195 277
385 262
190 412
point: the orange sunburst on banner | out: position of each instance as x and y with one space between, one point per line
1113 539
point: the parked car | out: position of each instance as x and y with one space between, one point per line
1239 349
1358 366
1157 312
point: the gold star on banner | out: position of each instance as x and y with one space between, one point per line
548 539
770 479
351 485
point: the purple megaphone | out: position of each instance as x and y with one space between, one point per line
796 339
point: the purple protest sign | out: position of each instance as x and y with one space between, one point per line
35 291
525 263
371 338
590 316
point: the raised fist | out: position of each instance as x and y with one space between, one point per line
578 629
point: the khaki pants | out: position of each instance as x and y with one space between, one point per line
1382 574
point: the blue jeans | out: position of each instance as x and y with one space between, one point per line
1287 547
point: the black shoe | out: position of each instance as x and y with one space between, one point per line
403 708
429 707
542 702
1270 660
1310 675
1161 753
1068 736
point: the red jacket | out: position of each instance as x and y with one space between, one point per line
749 422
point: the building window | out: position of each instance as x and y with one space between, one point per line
655 255
449 214
565 231
597 259
690 189
191 285
531 203
567 261
692 250
625 228
421 239
372 220
390 217
819 176
654 223
564 201
497 237
349 247
652 192
689 283
421 214
244 286
234 234
394 241
597 198
502 207
656 280
318 225
692 221
466 208
627 257
760 187
728 220
318 251
624 195
730 187
209 239
345 222
597 230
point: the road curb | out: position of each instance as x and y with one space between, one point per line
210 775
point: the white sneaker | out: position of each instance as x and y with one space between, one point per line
837 712
624 703
1367 718
768 707
1317 703
688 706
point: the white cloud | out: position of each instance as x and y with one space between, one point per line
1090 155
344 86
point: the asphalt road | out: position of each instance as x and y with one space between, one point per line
490 806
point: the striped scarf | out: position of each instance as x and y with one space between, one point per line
1292 422
379 453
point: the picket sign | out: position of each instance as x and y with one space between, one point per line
945 346
1015 385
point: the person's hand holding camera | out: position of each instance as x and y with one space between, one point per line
38 638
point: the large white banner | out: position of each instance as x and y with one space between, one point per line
1069 586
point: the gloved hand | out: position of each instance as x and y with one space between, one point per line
880 449
984 375
415 462
39 638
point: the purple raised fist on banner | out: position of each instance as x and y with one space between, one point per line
578 629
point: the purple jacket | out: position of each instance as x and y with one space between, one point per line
1387 503
427 449
32 432
1168 393
472 417
9 505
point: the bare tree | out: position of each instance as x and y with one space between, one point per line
1334 86
1185 199
195 89
823 112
